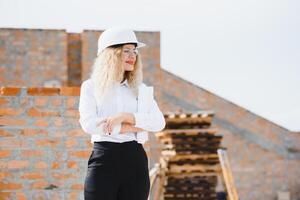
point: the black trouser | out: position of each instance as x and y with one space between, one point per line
117 171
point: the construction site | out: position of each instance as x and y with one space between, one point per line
210 148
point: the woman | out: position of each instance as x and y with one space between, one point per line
118 110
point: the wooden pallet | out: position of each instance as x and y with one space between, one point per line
190 152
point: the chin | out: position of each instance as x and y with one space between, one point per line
129 68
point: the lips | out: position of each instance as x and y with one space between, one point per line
131 62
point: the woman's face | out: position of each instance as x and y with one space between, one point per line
129 54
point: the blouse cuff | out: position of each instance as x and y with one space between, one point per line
141 120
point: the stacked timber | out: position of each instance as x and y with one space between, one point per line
190 154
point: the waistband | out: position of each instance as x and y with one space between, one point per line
112 145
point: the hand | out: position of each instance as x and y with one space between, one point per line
110 122
125 128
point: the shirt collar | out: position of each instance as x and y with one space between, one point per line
125 83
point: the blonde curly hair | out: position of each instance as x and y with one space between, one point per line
108 72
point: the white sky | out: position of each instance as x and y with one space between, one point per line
246 51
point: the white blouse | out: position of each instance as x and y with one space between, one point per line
122 101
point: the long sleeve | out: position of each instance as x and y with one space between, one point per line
152 121
88 112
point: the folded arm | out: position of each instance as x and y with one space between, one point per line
152 121
88 119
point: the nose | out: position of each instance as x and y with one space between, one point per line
132 55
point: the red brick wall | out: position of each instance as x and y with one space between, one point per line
89 51
74 59
43 151
33 57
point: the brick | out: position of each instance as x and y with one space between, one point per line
34 132
4 175
56 102
71 113
73 195
71 143
8 121
59 155
62 175
55 165
4 133
47 142
9 91
39 195
5 195
80 154
21 196
71 121
43 91
32 153
59 134
58 121
41 165
41 123
41 102
76 133
39 185
10 111
71 103
72 164
3 101
13 142
70 91
10 186
14 164
33 112
33 176
5 153
77 187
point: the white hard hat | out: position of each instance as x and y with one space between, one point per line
115 36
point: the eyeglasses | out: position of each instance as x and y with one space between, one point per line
130 52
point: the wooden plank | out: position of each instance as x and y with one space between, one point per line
199 120
195 162
193 157
191 175
200 146
191 151
194 114
189 195
153 173
196 131
191 140
161 189
172 152
193 168
227 175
